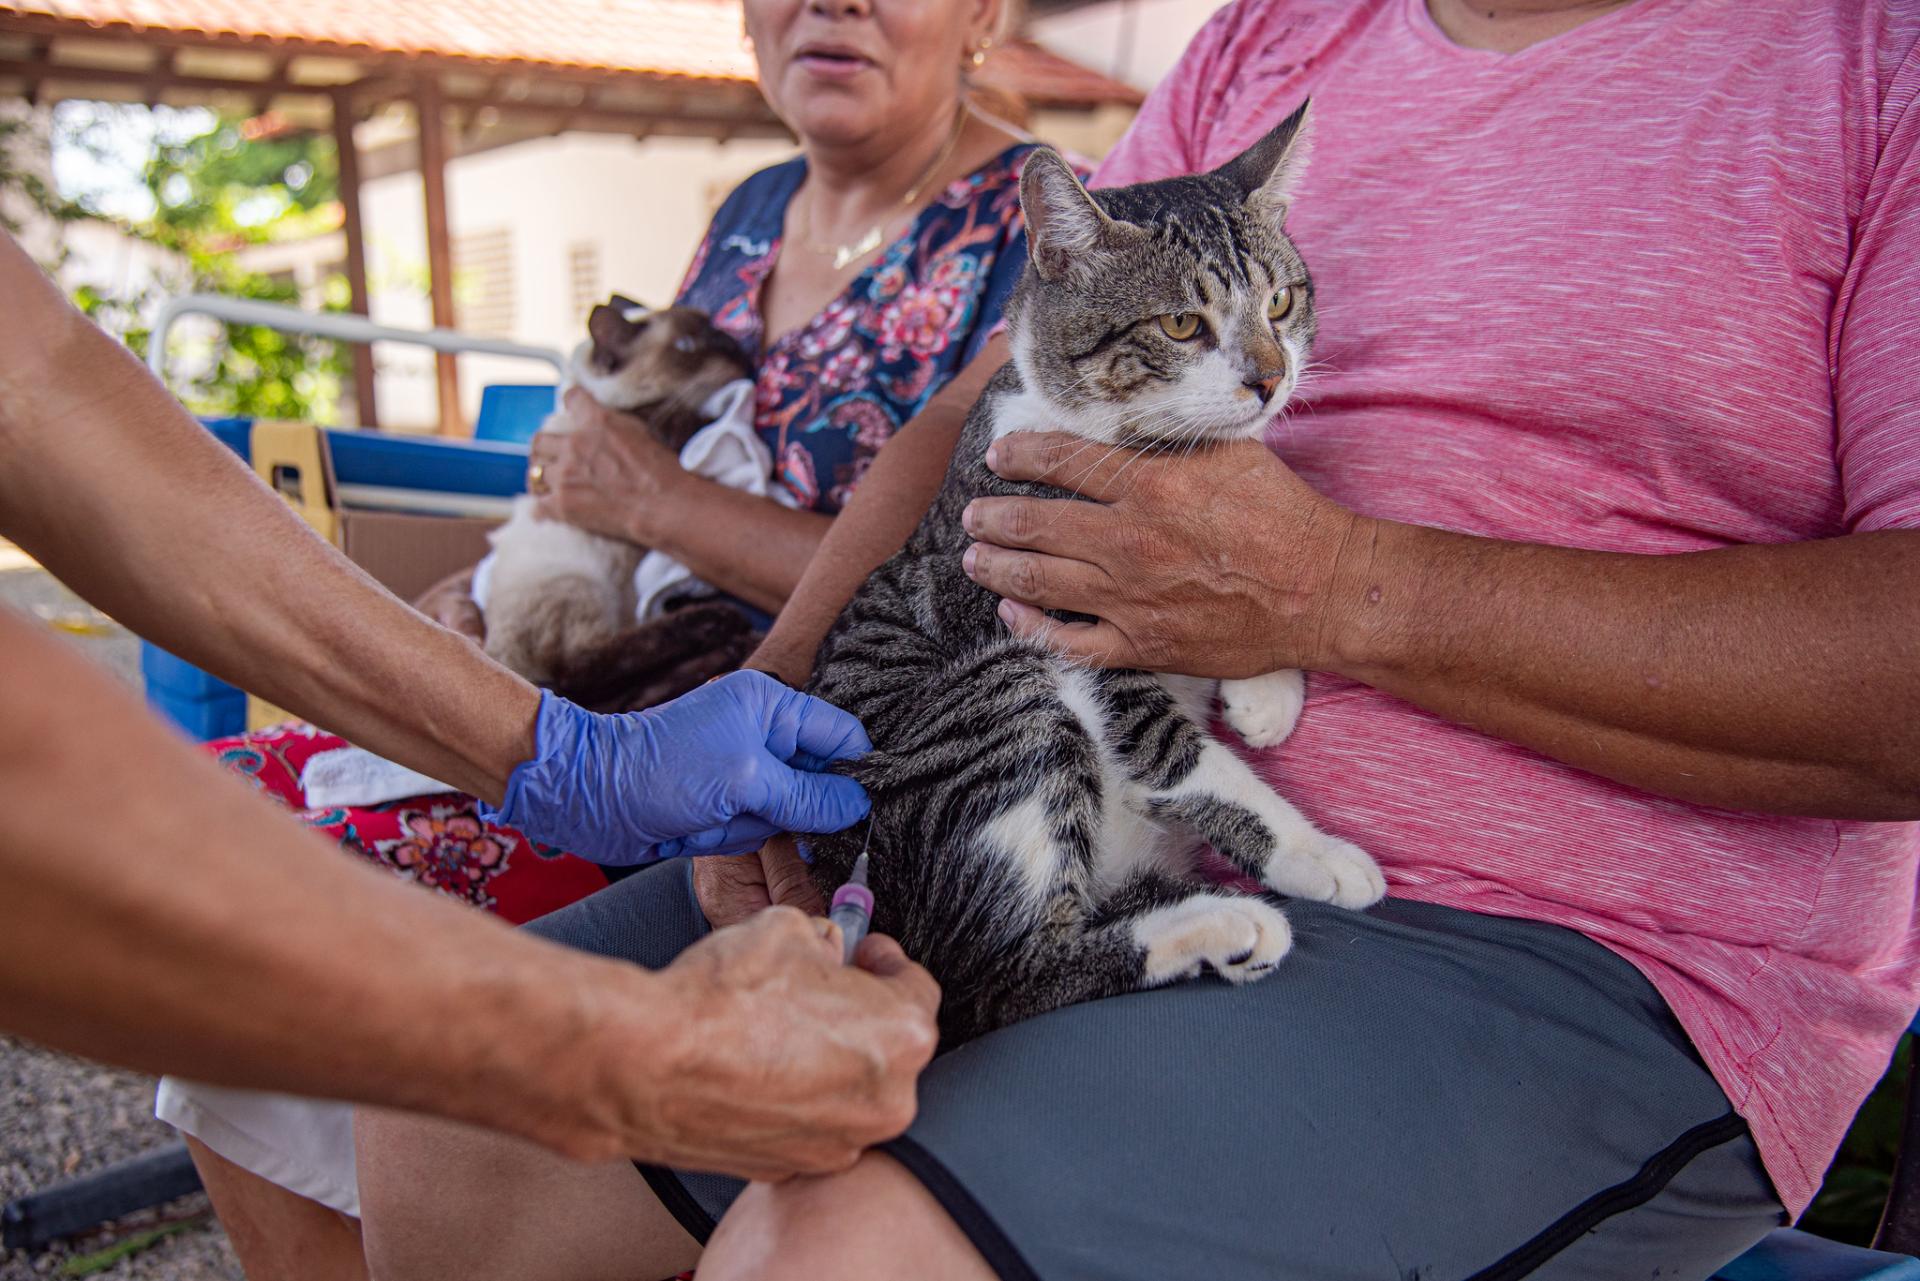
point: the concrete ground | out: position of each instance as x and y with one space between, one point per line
59 1116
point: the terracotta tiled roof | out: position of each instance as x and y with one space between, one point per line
669 39
1045 78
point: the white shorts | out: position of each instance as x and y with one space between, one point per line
304 1145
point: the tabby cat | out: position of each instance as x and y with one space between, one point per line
1035 820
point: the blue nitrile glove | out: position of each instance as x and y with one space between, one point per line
716 771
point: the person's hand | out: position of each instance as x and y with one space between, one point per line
775 1059
606 475
450 603
716 771
732 889
1215 563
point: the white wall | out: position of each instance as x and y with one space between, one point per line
644 205
1137 41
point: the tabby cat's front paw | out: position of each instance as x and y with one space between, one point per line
1264 709
1238 937
1339 872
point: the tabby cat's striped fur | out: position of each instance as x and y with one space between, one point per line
1034 821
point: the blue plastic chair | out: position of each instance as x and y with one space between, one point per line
1791 1255
1788 1254
511 412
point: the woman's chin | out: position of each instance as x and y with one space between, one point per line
836 114
826 124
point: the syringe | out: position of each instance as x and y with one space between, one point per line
852 908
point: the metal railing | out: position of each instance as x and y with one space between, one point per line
337 325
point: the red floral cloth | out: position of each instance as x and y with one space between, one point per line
436 841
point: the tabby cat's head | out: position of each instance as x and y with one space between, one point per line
1168 312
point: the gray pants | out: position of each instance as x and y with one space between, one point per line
1416 1094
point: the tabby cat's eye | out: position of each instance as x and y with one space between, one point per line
1180 326
1280 304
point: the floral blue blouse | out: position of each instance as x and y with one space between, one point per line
831 392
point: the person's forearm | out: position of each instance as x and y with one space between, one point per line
108 483
892 497
751 547
1780 678
159 915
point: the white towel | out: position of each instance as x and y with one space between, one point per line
354 776
727 450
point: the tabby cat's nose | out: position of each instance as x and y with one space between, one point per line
1264 385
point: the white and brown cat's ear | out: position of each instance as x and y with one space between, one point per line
1065 228
1268 173
612 326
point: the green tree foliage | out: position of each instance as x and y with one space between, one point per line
214 193
20 179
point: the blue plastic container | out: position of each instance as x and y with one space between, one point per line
177 677
202 705
202 718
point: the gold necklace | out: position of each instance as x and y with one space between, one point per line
869 241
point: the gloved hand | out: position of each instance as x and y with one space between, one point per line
716 771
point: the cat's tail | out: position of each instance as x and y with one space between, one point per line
658 660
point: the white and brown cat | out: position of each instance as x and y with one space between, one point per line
558 597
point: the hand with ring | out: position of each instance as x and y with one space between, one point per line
605 474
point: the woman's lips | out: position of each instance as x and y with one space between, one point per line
832 64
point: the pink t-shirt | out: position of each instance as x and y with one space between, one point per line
1651 286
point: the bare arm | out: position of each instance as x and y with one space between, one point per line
159 915
610 476
109 484
752 547
893 496
1781 679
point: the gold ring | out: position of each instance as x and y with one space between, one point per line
536 478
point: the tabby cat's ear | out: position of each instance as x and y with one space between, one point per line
1064 226
1268 172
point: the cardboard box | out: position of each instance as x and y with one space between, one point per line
408 554
408 510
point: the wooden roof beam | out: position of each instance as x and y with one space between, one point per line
39 72
282 66
38 52
166 65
